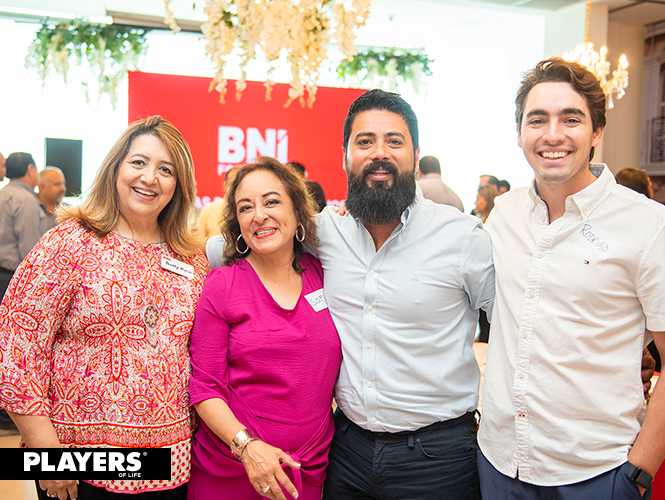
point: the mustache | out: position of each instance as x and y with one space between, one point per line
375 166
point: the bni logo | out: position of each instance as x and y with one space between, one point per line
237 146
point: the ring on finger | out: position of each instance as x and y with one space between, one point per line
50 495
265 490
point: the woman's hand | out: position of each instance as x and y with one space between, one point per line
38 432
60 489
263 465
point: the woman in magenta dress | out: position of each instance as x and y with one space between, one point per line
265 352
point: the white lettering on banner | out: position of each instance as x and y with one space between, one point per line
232 149
205 200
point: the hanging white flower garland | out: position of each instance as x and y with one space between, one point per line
302 29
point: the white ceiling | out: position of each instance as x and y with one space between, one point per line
150 12
627 12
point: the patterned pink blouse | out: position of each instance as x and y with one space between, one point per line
95 334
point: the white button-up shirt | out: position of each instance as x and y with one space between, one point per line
563 399
407 314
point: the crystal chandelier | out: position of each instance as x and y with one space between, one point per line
599 66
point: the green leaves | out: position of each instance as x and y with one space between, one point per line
372 65
110 50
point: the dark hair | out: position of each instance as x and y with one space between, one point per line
637 180
429 165
17 165
491 180
303 206
503 183
297 166
555 69
388 101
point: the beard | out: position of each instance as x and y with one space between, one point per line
379 203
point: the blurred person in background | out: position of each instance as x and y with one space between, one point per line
52 188
503 186
639 181
429 180
484 205
485 201
314 188
209 221
3 170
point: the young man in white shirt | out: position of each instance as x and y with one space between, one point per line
579 277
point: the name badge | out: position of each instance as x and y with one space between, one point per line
595 238
175 266
317 300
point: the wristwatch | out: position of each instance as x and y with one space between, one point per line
638 476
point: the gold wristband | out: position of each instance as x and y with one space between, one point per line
240 441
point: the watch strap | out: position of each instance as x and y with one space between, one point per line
638 476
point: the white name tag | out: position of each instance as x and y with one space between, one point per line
595 238
317 300
173 265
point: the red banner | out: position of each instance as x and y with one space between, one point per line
228 135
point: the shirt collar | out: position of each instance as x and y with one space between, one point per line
18 182
588 199
411 209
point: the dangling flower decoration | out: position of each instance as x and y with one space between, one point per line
301 29
109 50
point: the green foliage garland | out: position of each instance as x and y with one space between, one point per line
110 50
373 65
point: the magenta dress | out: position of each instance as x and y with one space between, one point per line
274 367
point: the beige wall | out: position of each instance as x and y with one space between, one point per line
620 147
621 140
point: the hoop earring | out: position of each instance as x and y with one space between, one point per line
246 245
303 233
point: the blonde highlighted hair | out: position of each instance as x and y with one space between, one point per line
100 209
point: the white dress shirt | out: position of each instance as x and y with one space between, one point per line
406 315
562 398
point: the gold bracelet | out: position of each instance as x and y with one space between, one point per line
240 441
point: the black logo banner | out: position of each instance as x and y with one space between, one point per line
86 463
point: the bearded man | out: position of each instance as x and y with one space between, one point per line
404 280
